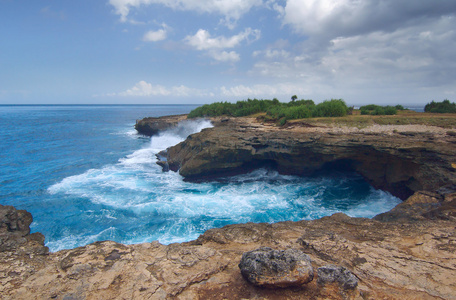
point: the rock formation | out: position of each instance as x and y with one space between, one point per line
407 253
401 163
152 126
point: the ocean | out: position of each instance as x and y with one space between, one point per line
86 175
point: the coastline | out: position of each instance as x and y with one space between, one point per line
406 253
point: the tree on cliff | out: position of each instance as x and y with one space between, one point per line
441 107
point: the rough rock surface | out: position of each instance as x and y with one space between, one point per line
410 258
401 164
276 268
152 126
335 274
15 232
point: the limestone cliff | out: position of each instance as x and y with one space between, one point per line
152 126
400 162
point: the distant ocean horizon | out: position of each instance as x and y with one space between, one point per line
86 175
415 107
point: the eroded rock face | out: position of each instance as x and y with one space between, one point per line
399 164
275 268
15 231
152 126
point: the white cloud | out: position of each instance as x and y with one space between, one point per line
145 89
230 9
157 35
266 91
225 56
390 50
272 53
154 36
335 18
202 39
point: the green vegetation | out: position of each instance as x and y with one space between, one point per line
238 109
377 110
441 107
275 110
328 113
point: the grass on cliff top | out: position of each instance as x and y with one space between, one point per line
405 117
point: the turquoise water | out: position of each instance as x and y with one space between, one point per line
85 175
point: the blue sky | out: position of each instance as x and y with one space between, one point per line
201 51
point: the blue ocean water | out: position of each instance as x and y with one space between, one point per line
85 175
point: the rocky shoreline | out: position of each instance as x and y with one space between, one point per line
403 161
407 253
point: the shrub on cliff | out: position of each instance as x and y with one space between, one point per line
440 107
238 109
276 111
377 110
331 108
307 109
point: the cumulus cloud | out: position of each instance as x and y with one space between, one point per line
230 9
225 56
358 48
145 89
202 40
335 18
412 49
266 91
157 35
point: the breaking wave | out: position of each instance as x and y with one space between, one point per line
133 201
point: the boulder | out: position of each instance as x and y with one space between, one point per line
334 274
15 232
275 268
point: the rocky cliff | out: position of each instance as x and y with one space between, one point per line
407 253
401 161
152 126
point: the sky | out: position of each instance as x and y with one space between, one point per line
204 51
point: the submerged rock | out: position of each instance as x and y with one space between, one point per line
275 268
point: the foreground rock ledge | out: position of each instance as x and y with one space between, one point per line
413 257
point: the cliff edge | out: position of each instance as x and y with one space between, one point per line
398 159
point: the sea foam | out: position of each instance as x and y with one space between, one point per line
137 202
